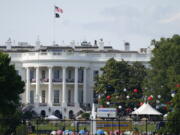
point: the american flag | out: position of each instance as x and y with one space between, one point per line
57 9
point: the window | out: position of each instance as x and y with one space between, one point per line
95 74
80 75
69 74
17 72
43 74
69 96
32 74
56 74
43 94
32 97
56 96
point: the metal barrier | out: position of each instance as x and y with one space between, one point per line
110 127
91 127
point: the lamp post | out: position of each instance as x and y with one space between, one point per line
120 107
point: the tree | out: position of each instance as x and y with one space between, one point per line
164 76
11 87
119 81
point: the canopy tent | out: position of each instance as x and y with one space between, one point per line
146 109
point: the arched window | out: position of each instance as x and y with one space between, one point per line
71 114
58 114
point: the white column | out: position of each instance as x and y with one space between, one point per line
37 86
64 102
50 87
76 102
84 85
27 85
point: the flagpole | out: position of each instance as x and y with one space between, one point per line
54 27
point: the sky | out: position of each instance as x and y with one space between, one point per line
116 21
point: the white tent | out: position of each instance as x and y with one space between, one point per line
51 117
146 109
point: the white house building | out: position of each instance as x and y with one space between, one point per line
59 79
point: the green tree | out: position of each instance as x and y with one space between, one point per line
163 77
11 87
117 76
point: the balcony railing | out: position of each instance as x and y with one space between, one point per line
80 81
56 104
56 80
42 104
44 80
69 80
70 104
33 80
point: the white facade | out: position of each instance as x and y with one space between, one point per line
60 79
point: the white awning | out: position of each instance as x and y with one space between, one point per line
51 117
146 109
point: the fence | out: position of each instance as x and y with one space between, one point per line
90 127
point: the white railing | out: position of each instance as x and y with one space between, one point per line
81 56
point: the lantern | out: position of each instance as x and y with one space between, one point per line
150 98
159 96
108 103
157 101
108 97
177 85
124 90
135 90
173 95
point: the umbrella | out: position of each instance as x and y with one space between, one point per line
53 133
100 132
106 133
82 132
116 132
59 132
67 132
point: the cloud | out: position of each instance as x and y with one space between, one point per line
174 18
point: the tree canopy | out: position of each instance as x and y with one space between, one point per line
164 78
120 84
11 87
165 68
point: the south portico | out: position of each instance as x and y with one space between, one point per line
56 89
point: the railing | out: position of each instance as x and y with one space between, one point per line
42 104
44 80
70 104
86 56
69 80
56 104
56 80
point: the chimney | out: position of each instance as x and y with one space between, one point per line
127 46
101 44
95 42
38 43
8 44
